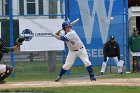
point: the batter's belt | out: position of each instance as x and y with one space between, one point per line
78 49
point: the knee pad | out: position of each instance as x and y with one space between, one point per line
9 69
7 73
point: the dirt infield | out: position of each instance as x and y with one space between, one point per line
73 82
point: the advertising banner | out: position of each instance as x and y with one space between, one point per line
99 19
37 33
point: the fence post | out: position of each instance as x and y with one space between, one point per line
127 59
0 29
67 9
11 33
66 19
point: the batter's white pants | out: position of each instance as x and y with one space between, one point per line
119 64
72 55
2 68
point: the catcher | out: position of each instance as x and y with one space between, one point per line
6 70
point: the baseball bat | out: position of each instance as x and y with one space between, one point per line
48 30
74 22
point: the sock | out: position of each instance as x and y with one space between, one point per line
62 72
90 71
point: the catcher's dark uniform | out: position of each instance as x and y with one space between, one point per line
6 70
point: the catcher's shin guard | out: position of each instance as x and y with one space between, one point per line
135 64
91 74
7 73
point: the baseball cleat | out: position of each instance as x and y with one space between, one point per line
102 73
92 78
2 82
57 79
120 73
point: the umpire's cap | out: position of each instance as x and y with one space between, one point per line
135 29
65 24
112 37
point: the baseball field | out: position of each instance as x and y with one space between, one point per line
114 84
30 77
83 89
32 29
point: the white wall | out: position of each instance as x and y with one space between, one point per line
0 29
45 7
0 7
15 7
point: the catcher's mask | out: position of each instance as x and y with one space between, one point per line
1 43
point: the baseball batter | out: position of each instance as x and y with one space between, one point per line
6 70
76 49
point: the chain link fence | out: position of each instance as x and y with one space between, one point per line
47 63
109 19
31 64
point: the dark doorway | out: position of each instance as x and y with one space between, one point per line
138 23
133 3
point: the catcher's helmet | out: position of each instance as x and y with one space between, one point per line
65 24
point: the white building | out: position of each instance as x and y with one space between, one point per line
32 7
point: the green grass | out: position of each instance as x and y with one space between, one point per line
35 77
83 89
112 76
38 71
33 71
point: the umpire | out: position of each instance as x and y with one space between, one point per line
111 50
134 44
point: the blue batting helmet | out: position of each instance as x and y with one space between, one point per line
65 24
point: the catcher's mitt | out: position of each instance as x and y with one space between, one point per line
20 40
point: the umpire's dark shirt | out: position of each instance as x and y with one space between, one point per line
111 49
